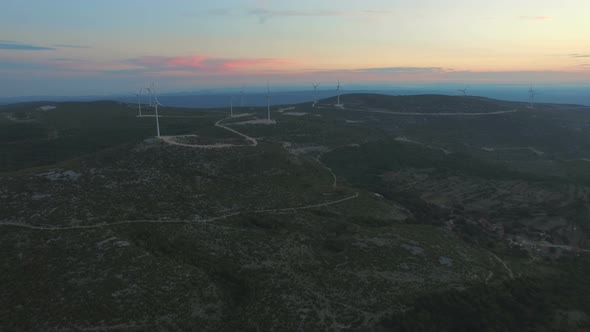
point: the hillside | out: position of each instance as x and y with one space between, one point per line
370 216
425 103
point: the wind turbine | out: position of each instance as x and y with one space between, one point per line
268 101
139 101
532 94
315 92
463 91
150 93
156 104
338 90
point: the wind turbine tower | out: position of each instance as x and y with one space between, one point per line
150 93
532 94
139 101
338 90
315 92
463 91
156 104
268 101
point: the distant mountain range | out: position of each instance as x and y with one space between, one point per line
215 98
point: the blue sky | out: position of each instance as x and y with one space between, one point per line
67 47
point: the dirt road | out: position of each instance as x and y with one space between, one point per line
172 139
228 215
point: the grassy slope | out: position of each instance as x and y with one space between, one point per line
80 128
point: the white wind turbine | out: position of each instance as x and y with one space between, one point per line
315 92
463 91
150 93
532 94
139 101
338 90
152 89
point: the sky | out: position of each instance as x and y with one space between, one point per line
89 47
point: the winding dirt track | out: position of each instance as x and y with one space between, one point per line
172 141
233 214
551 245
510 273
319 160
169 139
252 140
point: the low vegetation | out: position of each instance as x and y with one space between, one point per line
338 219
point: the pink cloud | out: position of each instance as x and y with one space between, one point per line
210 65
241 64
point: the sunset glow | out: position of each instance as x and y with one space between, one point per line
53 47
